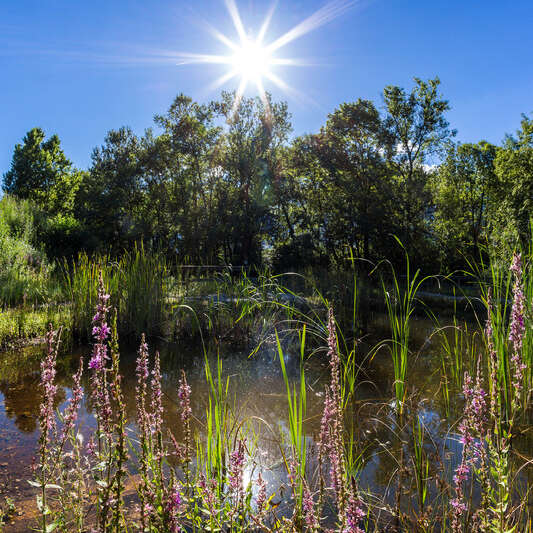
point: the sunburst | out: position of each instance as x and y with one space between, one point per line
253 61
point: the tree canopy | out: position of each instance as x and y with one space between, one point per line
225 183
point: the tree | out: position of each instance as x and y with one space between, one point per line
351 149
418 130
463 188
514 171
182 183
249 159
41 172
112 192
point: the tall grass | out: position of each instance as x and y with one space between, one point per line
400 300
139 282
25 275
208 480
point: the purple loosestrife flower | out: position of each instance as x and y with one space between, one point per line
184 395
48 375
173 508
354 512
157 406
517 328
493 358
261 497
336 432
330 443
100 329
334 360
236 470
208 489
142 373
308 507
71 412
143 422
473 431
472 426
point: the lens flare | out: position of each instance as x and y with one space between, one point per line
253 61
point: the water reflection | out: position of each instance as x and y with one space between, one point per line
259 396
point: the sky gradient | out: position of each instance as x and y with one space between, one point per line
79 69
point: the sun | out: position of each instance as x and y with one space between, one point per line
252 61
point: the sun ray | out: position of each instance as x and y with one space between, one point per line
253 61
222 80
189 58
221 37
264 99
236 17
238 96
266 22
319 18
284 86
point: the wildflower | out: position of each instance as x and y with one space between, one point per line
493 358
100 329
71 412
517 327
354 512
157 407
308 506
209 492
261 496
173 508
236 469
472 429
48 374
330 442
461 474
334 359
184 395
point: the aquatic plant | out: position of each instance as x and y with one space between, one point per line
209 482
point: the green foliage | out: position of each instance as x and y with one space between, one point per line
138 282
41 172
514 195
464 189
222 183
24 271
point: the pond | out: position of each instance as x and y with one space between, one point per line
259 396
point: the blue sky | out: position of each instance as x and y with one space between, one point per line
79 69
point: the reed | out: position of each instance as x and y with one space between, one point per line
138 281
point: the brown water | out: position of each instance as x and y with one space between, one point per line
258 390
